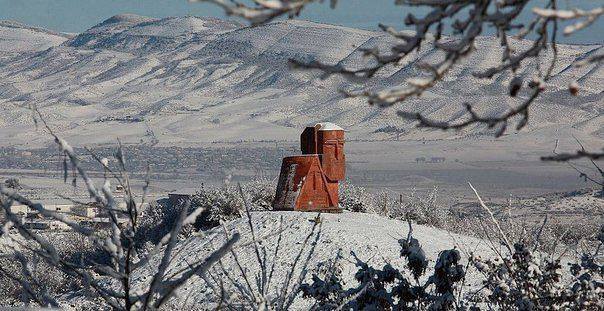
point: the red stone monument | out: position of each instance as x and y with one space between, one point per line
309 182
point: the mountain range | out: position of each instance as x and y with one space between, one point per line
192 80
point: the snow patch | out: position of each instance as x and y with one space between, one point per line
328 126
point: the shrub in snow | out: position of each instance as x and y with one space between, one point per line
427 209
327 285
422 209
225 203
389 288
356 199
519 279
156 222
49 280
218 204
528 280
261 193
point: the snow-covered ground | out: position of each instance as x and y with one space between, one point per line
372 238
19 38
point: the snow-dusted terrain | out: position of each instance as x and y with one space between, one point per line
189 81
373 239
17 38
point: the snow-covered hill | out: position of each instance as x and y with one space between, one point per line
372 239
19 38
190 80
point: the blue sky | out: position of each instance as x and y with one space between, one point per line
79 15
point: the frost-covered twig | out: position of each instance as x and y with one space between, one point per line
589 17
113 282
580 154
502 235
468 20
264 10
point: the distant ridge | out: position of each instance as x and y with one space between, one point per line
19 25
125 18
16 37
129 32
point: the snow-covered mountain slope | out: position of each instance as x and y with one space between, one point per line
189 80
19 38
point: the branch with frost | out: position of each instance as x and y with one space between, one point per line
592 157
500 122
264 10
494 221
454 52
258 290
467 19
579 154
112 282
586 18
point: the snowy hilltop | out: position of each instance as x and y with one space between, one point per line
190 80
344 239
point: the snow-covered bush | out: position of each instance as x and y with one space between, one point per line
422 209
426 208
158 218
327 287
389 288
48 280
530 280
225 203
356 199
571 233
261 193
218 204
520 278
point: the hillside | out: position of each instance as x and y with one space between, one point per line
17 38
190 80
372 238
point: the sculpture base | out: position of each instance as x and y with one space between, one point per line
303 186
330 210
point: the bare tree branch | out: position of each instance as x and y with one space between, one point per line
112 282
467 19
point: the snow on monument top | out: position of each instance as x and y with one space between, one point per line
328 126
